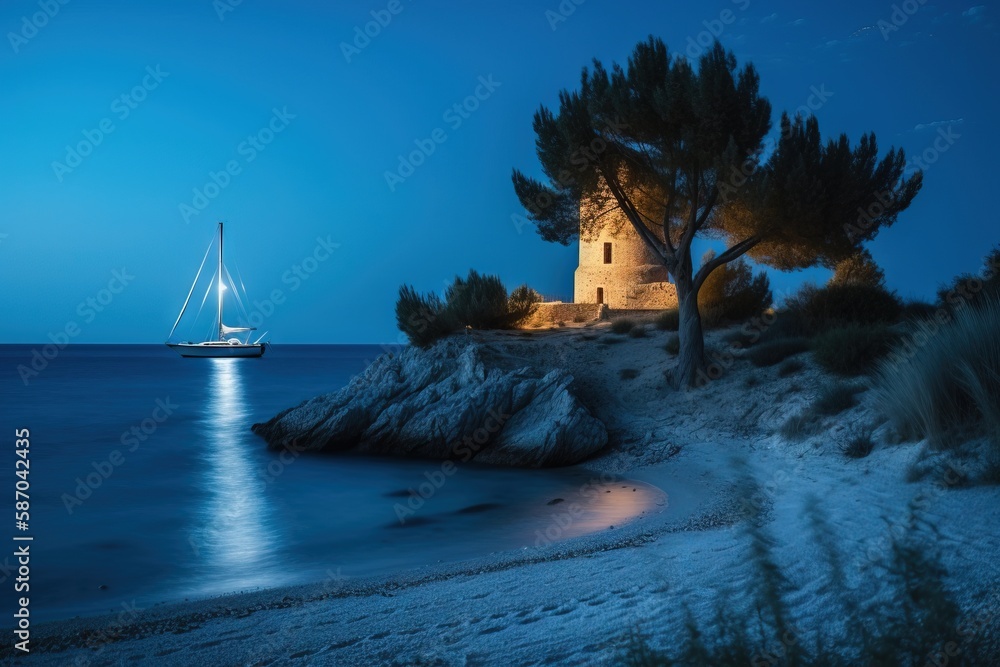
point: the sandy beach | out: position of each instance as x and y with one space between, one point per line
582 600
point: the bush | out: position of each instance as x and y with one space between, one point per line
668 320
638 331
945 381
786 323
522 304
673 346
628 373
835 398
842 304
915 309
478 301
853 349
859 445
858 269
774 352
733 292
790 367
622 326
967 288
901 628
423 319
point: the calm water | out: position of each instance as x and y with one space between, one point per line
129 502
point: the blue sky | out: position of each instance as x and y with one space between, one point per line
300 120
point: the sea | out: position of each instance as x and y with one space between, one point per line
145 484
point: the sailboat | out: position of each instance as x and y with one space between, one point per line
226 344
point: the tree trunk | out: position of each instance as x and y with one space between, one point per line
691 358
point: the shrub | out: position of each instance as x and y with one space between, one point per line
850 303
835 398
784 324
800 425
733 292
622 326
859 445
858 269
668 320
423 319
579 319
478 301
945 382
773 352
638 331
968 288
853 349
790 367
915 309
522 304
628 373
673 346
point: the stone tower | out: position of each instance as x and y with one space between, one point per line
618 269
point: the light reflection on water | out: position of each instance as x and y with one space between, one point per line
234 537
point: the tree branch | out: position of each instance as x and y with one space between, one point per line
729 255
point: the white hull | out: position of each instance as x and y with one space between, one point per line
217 349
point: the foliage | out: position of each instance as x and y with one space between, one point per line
853 349
622 326
858 269
835 398
848 303
638 331
774 352
908 624
734 290
971 288
660 140
859 445
423 319
668 320
521 304
943 383
478 301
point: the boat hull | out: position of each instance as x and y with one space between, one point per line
217 351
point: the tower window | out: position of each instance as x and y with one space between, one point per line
607 253
600 295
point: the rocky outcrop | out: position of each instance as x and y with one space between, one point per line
447 402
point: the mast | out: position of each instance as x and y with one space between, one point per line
220 282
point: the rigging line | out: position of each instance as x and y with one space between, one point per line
236 296
239 274
190 291
208 291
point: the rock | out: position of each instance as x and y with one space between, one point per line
446 402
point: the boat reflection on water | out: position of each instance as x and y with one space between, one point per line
235 538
